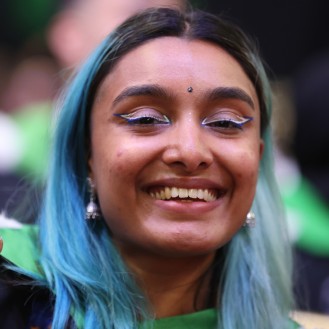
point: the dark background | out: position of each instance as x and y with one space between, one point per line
288 31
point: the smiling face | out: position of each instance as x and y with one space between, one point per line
175 140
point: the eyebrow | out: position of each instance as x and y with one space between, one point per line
142 90
154 90
221 93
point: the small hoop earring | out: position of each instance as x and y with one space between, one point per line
92 209
250 221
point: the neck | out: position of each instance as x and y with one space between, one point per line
173 286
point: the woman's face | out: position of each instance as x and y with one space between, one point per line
175 138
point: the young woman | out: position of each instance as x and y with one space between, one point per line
161 166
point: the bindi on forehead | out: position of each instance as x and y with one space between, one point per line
159 92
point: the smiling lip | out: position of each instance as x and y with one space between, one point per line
186 191
183 194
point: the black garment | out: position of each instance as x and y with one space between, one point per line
311 282
23 305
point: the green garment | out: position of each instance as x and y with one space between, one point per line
206 319
19 246
34 123
308 216
28 20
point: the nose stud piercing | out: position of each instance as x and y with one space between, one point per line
189 89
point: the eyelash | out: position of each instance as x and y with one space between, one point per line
221 124
150 120
228 123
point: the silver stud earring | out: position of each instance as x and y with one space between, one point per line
92 209
250 221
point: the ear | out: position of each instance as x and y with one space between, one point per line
65 39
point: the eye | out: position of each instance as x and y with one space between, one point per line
145 117
227 121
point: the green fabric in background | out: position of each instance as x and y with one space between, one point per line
30 17
19 246
308 215
34 123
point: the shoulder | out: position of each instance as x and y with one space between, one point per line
23 303
311 320
20 243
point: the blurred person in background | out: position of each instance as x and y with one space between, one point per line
302 137
308 203
27 87
82 24
26 100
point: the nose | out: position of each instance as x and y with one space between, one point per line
187 148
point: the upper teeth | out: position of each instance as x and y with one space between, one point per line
167 193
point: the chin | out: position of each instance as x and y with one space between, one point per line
188 248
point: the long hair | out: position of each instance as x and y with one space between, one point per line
80 263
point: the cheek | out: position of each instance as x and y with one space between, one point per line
243 161
246 181
125 163
118 161
111 169
114 157
113 175
128 157
116 170
247 167
243 166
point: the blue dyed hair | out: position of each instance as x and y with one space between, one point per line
79 261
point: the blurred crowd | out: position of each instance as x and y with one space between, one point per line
303 173
34 70
40 52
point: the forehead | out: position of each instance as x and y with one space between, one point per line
178 63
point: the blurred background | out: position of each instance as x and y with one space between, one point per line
42 40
